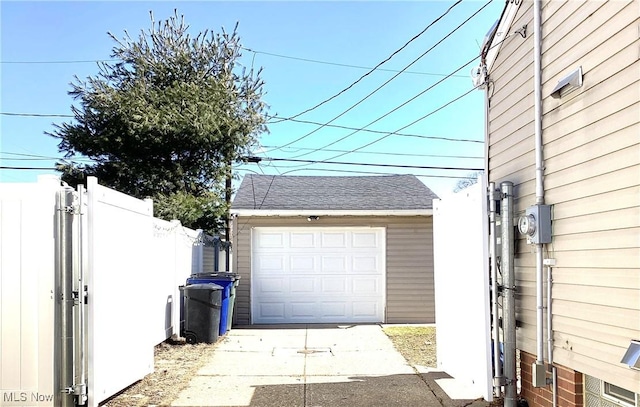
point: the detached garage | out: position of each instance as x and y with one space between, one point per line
333 250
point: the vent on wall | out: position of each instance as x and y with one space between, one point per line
632 356
568 84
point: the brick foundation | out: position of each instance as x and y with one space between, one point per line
570 386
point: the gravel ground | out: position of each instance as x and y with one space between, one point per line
176 362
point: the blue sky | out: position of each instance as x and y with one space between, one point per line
35 34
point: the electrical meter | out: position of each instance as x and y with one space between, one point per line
536 224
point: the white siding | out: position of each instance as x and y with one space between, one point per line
592 177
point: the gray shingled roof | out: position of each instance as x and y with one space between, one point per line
283 192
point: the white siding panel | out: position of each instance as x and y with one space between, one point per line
592 177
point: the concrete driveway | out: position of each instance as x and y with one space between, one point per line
311 366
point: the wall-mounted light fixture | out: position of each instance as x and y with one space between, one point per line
313 217
632 357
568 84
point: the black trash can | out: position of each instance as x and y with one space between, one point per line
202 305
229 282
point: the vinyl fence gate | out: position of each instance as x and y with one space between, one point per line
88 286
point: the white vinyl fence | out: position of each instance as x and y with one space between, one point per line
461 276
124 267
27 293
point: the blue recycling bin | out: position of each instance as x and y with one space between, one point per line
228 282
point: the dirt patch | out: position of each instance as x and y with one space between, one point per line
176 362
416 343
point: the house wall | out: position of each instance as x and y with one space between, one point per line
592 177
409 254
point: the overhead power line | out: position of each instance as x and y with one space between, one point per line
26 168
345 65
389 80
378 65
35 114
350 172
386 153
78 61
379 132
254 159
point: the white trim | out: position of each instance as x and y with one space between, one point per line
331 212
502 33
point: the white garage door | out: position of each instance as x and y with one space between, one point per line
317 275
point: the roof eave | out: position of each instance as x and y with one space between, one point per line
331 212
501 33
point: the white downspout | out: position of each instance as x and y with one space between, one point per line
537 90
554 373
538 368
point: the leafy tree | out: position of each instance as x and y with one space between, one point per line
167 120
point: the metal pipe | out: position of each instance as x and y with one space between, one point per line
549 330
554 373
80 387
554 380
64 295
539 306
537 90
509 309
495 318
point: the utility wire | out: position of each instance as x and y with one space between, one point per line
40 157
289 119
345 65
81 61
353 172
35 114
376 67
422 167
26 168
390 134
315 61
415 121
392 78
381 131
388 113
383 153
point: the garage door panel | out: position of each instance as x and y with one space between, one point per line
333 310
365 309
302 285
303 309
318 275
334 264
303 240
334 285
272 310
302 264
365 264
334 240
272 240
365 240
366 286
270 264
276 286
